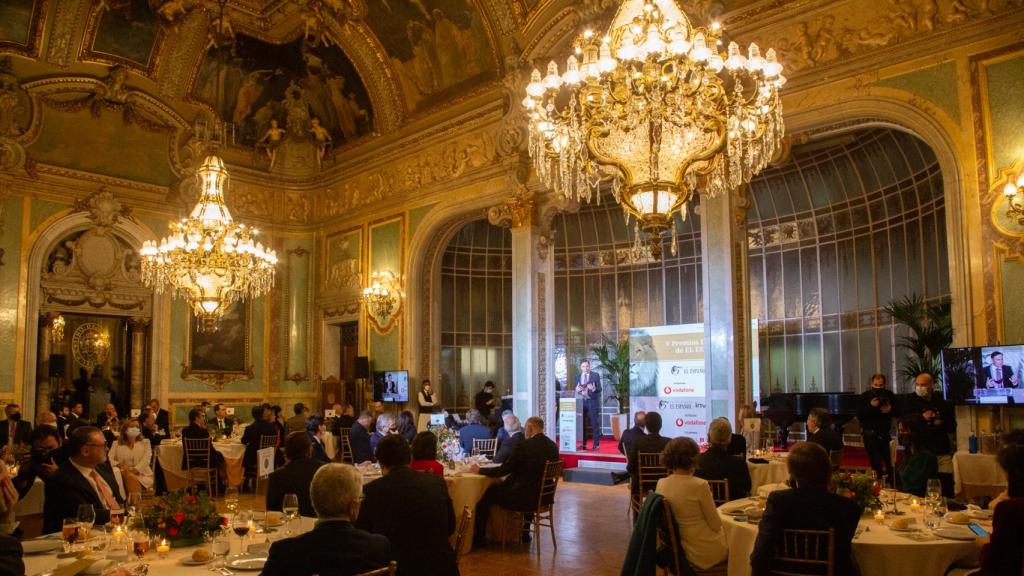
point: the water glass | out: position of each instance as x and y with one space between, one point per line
934 490
221 546
290 510
231 499
119 548
69 533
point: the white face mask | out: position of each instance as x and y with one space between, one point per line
922 391
133 432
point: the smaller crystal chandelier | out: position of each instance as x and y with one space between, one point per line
1014 194
208 258
383 299
57 329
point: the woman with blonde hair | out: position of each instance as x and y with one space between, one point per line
700 527
132 454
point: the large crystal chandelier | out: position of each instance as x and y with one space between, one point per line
658 110
209 258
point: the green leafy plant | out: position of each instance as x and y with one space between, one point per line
860 488
931 330
182 516
613 359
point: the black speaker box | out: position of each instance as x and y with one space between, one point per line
362 367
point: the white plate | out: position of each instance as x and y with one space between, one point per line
955 533
41 546
980 514
949 518
188 561
245 562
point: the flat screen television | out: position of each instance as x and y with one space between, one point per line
984 374
391 386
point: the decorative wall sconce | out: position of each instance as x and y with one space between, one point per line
383 300
57 329
1013 191
1007 197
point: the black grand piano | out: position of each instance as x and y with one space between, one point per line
785 409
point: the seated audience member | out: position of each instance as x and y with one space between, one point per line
919 463
297 423
700 528
197 429
14 430
653 441
83 479
334 547
819 431
344 418
221 420
406 426
472 430
513 438
131 453
163 418
262 425
718 464
359 438
501 435
412 510
63 420
42 459
1001 550
384 426
150 430
108 419
73 419
424 454
10 548
315 430
629 435
523 474
280 425
808 506
295 476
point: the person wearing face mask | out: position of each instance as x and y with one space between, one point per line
875 411
14 430
939 425
132 454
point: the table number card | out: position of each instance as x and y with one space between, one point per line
230 410
329 413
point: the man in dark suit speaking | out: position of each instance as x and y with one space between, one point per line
998 375
588 387
84 479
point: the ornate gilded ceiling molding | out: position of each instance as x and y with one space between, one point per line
184 56
88 53
374 68
61 40
30 48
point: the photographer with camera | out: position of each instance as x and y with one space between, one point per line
876 409
42 459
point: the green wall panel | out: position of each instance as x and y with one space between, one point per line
385 254
416 216
384 351
937 84
1005 85
10 243
41 210
1012 274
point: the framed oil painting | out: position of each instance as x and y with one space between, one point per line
220 356
342 258
21 24
126 32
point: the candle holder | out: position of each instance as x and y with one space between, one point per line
163 548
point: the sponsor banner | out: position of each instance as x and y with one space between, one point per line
667 376
567 424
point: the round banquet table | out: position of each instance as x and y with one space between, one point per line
169 453
878 551
977 474
330 445
774 472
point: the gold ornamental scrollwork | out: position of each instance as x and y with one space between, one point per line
516 212
1007 219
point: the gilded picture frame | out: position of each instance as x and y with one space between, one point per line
220 357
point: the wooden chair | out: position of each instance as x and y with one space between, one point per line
668 536
545 510
648 471
460 533
719 491
345 448
266 441
814 550
388 571
485 446
198 467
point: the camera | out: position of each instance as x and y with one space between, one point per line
42 456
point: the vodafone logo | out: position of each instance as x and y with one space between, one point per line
668 389
679 422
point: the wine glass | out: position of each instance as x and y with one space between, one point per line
221 546
69 533
934 490
86 519
231 499
134 503
119 549
290 510
241 525
140 542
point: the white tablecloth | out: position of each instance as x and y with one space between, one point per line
330 445
774 472
32 503
169 453
978 471
878 551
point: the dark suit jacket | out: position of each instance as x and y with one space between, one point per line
163 421
595 396
826 438
806 509
10 555
413 510
737 445
294 478
628 439
251 439
718 464
335 548
22 430
359 438
193 431
67 489
229 424
1007 375
935 437
524 471
319 451
647 443
507 446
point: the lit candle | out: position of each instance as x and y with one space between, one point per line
879 516
915 505
163 548
118 532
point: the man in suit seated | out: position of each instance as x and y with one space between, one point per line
819 431
334 547
523 472
221 420
84 479
262 425
14 430
513 438
653 441
718 464
163 419
295 476
472 430
412 510
628 438
359 438
197 428
808 506
297 423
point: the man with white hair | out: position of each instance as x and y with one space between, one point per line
334 546
513 437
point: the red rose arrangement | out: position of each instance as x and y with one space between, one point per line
180 516
861 488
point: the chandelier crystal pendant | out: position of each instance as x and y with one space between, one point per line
656 109
208 258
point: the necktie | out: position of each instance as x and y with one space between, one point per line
999 375
10 432
108 499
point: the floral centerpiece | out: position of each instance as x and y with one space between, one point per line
448 446
182 518
861 488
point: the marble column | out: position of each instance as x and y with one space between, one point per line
139 328
532 314
726 302
43 363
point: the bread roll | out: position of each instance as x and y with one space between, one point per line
201 555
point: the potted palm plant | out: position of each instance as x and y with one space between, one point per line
613 360
931 330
